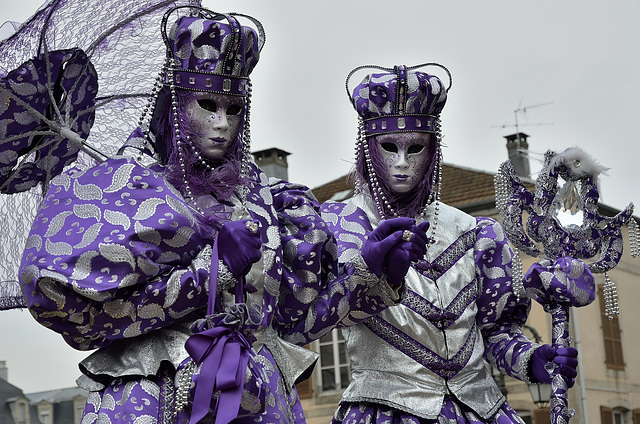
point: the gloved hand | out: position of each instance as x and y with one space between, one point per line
238 247
386 248
565 358
403 253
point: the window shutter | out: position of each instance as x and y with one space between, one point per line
611 336
606 415
304 388
636 416
542 416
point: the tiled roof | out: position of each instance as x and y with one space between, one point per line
56 396
462 188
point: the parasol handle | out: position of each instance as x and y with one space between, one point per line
74 137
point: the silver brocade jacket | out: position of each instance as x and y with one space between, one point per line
459 308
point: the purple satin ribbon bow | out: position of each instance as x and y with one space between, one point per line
224 354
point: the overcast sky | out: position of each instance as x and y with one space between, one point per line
573 65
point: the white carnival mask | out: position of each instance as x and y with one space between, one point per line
213 121
405 159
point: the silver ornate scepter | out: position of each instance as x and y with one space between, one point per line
564 220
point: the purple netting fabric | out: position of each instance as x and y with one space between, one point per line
123 43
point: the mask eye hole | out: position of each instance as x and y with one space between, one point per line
416 148
208 104
389 147
234 110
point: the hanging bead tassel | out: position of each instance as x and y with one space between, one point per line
611 306
634 237
518 276
359 150
245 165
501 186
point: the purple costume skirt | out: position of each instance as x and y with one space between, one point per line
153 399
451 413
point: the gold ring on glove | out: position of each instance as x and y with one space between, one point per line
407 235
252 227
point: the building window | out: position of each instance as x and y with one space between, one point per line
78 407
620 416
45 412
612 337
616 415
334 366
21 415
45 417
78 416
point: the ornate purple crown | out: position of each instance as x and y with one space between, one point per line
399 100
212 52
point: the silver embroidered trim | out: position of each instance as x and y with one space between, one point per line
226 280
168 413
183 385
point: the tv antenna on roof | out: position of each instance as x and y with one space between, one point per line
521 109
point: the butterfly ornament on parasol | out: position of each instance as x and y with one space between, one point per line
563 219
65 71
46 112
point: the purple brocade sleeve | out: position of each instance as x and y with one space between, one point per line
113 253
500 312
316 295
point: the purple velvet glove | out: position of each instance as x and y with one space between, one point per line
564 358
385 247
402 254
381 239
238 246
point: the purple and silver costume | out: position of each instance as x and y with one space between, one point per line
116 261
459 308
122 261
423 361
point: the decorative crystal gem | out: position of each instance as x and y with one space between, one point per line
383 125
401 123
568 206
192 80
418 123
226 85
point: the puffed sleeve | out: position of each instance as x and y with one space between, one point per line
501 313
113 253
317 293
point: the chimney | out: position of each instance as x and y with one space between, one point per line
273 162
4 371
518 149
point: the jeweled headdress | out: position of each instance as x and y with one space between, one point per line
206 52
400 99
